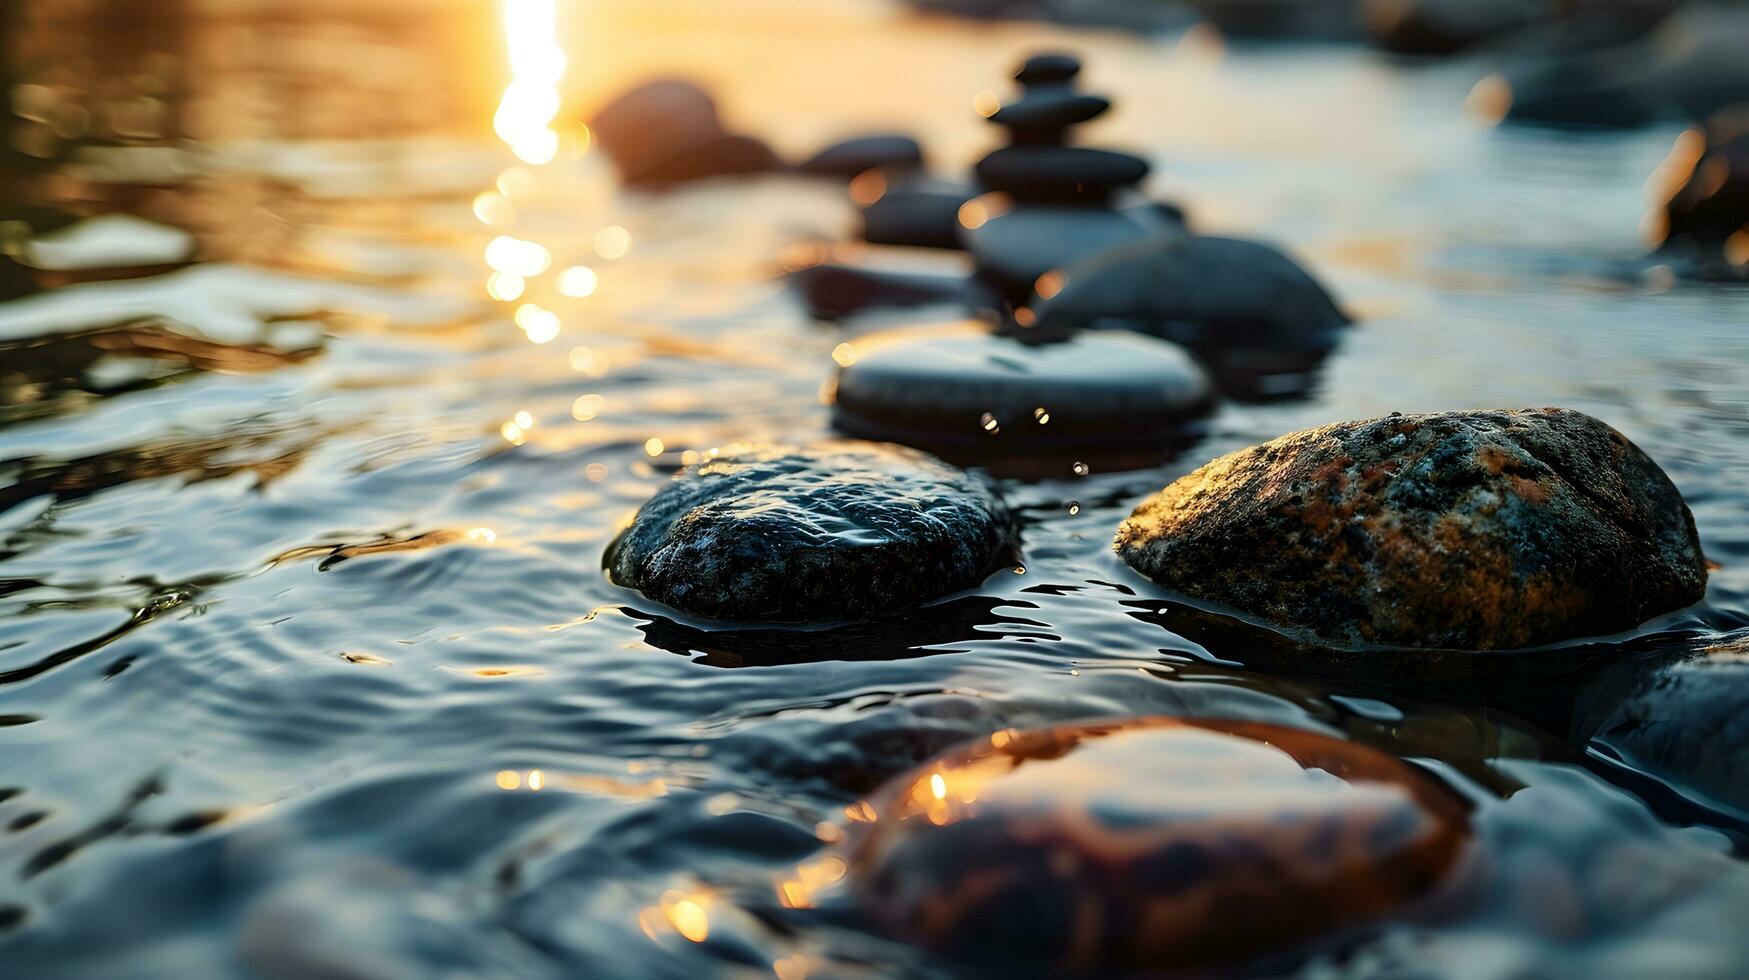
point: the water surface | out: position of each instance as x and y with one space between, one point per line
307 665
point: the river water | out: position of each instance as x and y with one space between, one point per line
307 664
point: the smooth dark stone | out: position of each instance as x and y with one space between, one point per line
960 390
1281 18
1692 66
728 156
832 532
1480 530
1679 718
1155 844
1441 27
1048 68
833 291
1059 173
852 157
1014 249
921 213
1581 91
667 131
1135 16
1706 216
1045 116
1254 314
1597 25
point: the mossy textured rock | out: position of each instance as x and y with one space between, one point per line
838 531
1480 530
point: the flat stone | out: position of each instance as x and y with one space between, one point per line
920 213
1442 27
1048 68
851 157
1484 530
1680 718
1042 116
1055 173
838 531
1013 249
1251 312
1148 845
960 389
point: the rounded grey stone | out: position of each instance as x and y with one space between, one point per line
842 530
961 389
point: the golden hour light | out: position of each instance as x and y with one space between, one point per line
578 281
613 242
587 407
874 488
688 913
537 63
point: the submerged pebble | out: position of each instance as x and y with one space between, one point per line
837 531
1152 844
960 389
1477 530
1678 717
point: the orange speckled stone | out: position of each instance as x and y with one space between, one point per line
1486 530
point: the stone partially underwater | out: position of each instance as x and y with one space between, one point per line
1154 844
832 532
965 392
1258 320
1487 530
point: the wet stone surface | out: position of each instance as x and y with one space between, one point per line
959 389
1243 306
1050 850
853 156
1014 249
832 532
1461 530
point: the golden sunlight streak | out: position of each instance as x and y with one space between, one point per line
524 120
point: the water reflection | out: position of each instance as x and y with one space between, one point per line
943 628
524 120
326 752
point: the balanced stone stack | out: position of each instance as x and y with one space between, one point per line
1051 203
